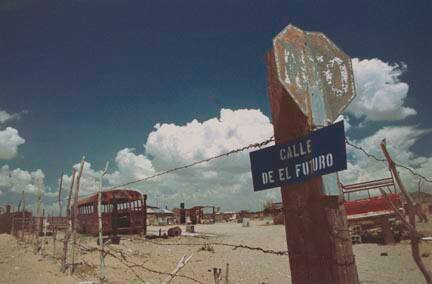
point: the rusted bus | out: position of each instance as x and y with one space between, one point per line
376 204
371 217
57 223
123 212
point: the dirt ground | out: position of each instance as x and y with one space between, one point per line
18 263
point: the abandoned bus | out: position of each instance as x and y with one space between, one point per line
123 212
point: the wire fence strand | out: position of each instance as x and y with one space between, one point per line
250 146
254 146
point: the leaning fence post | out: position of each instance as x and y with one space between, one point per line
39 220
60 203
101 244
23 216
69 228
75 214
44 221
415 239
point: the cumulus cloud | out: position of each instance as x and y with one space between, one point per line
10 140
380 93
89 182
17 180
224 182
130 167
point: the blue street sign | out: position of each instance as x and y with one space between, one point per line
320 153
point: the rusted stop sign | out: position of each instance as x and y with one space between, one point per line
315 72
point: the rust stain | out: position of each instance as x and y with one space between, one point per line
310 64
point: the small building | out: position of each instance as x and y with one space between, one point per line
159 216
195 215
225 216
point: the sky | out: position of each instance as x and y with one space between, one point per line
150 85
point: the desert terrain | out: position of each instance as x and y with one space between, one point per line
151 261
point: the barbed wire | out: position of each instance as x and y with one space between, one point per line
233 246
372 156
260 145
250 146
120 256
369 155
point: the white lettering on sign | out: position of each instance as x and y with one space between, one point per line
284 175
267 177
302 169
321 162
296 150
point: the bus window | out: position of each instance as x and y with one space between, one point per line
135 205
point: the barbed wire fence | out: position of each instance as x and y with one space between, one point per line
260 145
132 266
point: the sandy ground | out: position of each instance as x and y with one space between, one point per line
18 264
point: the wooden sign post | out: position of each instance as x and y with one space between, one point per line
310 83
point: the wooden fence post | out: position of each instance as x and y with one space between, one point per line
318 239
44 221
69 229
415 239
23 216
60 203
102 278
75 215
39 219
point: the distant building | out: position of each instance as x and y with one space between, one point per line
159 216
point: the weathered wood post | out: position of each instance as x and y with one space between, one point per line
144 214
44 231
69 229
101 244
23 216
60 202
75 214
38 245
310 83
414 236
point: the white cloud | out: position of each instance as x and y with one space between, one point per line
380 94
17 180
10 140
5 116
130 167
173 145
89 181
225 182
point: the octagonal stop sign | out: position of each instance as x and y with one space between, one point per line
315 72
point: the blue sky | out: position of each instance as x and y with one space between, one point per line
94 77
